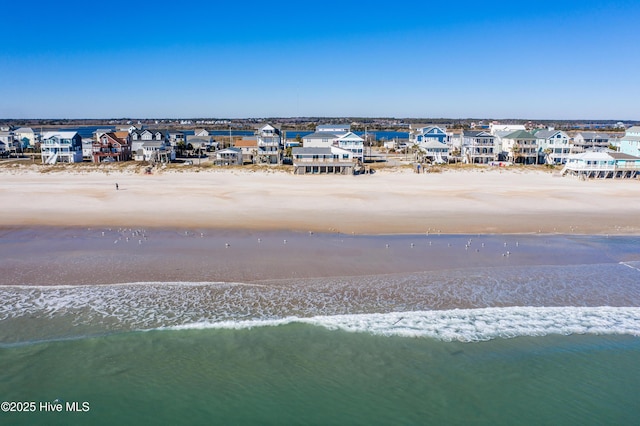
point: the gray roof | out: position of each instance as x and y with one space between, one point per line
232 149
24 130
311 151
321 135
520 134
594 135
622 156
546 134
476 133
98 131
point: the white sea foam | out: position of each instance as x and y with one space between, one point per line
37 312
465 325
632 265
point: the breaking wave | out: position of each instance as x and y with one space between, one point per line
468 305
465 325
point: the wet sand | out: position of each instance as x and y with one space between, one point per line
50 255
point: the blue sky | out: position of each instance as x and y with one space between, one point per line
494 59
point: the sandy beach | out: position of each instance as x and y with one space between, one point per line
487 200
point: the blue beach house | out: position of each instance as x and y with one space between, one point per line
630 143
421 134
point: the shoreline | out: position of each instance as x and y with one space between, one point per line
44 256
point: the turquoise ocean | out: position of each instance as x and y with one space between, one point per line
512 344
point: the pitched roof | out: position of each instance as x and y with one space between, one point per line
350 136
198 139
311 151
545 133
320 135
477 134
23 130
276 128
116 138
233 150
60 135
594 135
105 130
246 143
520 134
623 156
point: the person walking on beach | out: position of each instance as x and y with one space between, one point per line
116 186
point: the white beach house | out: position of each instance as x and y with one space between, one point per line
602 164
520 147
269 145
323 160
478 147
553 145
25 136
344 140
584 141
152 146
61 147
229 157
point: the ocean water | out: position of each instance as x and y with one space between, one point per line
512 343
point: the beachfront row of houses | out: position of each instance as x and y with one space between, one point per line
331 149
514 143
336 149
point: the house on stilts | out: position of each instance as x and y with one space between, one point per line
602 165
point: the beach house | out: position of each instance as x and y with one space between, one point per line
269 144
351 142
520 147
432 151
478 147
348 141
151 145
6 139
198 143
553 145
584 141
323 160
248 147
25 137
61 147
176 137
423 133
602 164
229 157
112 146
630 142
